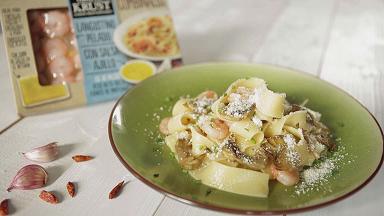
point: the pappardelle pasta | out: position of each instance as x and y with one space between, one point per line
249 135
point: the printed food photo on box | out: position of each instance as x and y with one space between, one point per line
66 54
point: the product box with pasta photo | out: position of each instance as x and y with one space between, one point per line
64 54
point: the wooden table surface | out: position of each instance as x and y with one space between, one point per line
340 41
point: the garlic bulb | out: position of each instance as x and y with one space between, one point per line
29 177
43 154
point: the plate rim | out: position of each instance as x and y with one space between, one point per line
244 211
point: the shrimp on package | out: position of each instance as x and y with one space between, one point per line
68 53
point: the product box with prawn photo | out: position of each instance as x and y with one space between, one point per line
63 54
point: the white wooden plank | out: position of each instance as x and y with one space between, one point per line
8 112
222 30
298 38
354 62
79 131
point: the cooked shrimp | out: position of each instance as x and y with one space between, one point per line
271 170
57 23
202 103
164 126
54 48
132 32
287 178
62 69
143 45
207 94
215 128
154 22
64 79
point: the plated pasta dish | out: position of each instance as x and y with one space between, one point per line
248 136
153 37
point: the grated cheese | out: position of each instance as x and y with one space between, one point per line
238 106
183 135
290 141
256 96
257 121
201 105
291 154
315 176
202 119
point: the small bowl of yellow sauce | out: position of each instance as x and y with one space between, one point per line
135 71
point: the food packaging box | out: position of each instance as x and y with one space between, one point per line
69 53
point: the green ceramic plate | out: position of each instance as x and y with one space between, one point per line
133 131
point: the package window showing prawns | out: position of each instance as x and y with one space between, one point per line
68 53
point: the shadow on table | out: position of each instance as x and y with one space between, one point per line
65 152
66 149
54 172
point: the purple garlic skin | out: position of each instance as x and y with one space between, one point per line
43 154
29 177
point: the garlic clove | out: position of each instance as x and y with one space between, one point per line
44 153
29 177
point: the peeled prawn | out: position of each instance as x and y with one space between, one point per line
57 23
215 128
54 48
62 69
287 178
64 79
154 22
208 94
54 45
143 45
202 103
163 127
